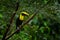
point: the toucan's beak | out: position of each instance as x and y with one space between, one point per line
27 14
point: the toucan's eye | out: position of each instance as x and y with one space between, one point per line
23 14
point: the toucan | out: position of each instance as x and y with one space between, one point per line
20 20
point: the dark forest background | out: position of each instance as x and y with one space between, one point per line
45 25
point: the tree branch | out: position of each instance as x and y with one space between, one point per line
11 21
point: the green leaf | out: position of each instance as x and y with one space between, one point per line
1 15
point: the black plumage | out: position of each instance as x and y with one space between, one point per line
18 23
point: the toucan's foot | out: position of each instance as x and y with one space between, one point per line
18 30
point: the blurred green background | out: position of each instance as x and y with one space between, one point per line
44 26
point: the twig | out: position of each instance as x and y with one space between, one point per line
11 20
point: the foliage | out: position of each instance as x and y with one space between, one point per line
44 26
